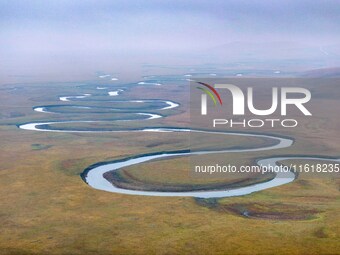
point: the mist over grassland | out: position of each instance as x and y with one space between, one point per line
70 41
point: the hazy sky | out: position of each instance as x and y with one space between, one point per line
40 35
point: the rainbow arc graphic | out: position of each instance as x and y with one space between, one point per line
212 93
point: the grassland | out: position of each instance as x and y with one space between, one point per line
176 175
46 208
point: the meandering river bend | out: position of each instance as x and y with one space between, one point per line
93 175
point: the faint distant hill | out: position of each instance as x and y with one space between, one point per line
264 50
281 54
322 72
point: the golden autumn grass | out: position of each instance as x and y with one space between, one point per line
47 209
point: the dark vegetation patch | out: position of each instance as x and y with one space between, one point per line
123 179
39 147
321 233
16 251
161 143
304 183
257 210
71 166
12 115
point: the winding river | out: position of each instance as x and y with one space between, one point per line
93 175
